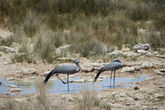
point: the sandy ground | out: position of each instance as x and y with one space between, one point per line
149 94
146 95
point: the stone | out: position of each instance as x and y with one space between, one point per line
147 65
79 81
32 77
10 79
142 51
90 80
162 70
141 47
98 65
90 67
158 95
162 86
115 53
15 90
131 54
129 64
25 82
28 71
128 69
99 79
149 54
87 67
159 72
61 50
104 77
13 86
161 56
125 49
155 53
137 68
7 49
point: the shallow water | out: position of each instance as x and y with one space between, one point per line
56 86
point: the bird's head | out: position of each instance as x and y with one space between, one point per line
76 61
116 60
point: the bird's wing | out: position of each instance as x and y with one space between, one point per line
66 69
113 66
49 75
62 69
110 66
98 74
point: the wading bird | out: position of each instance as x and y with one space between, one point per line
64 69
113 66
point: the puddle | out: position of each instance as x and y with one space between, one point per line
5 88
56 86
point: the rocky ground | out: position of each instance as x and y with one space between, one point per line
149 94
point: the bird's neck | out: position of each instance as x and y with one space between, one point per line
78 69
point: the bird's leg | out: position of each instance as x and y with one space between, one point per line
68 81
61 79
114 79
110 78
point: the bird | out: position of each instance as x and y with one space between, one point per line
112 66
64 69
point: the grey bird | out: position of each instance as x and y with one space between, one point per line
64 69
113 66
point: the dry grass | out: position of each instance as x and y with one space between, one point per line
90 101
87 100
88 26
41 102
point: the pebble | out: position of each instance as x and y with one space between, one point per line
15 90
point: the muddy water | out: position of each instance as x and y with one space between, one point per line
56 86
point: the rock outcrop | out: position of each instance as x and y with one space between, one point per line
141 47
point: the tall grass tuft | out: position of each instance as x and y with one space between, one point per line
140 10
87 25
157 31
89 101
44 102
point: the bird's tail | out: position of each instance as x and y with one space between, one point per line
99 72
48 77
